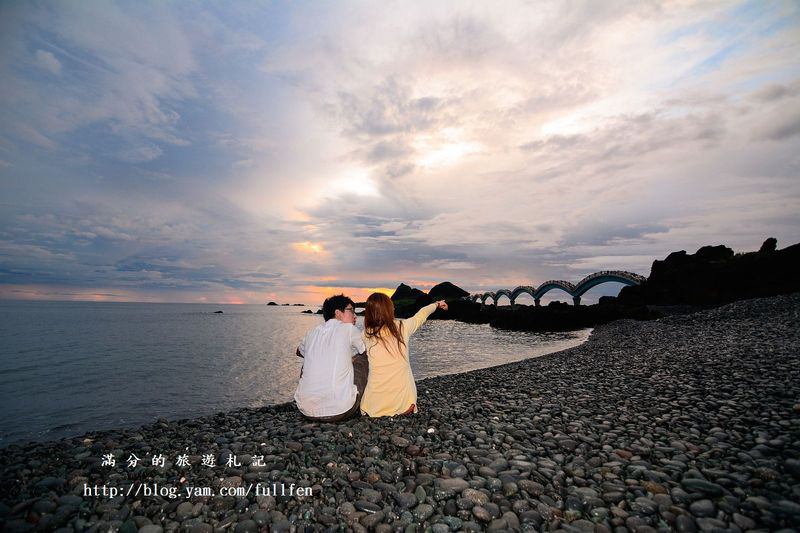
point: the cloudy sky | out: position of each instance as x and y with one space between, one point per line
246 152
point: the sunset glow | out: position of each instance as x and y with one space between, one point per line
309 247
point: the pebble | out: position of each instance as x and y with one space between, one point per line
703 508
481 513
702 486
422 512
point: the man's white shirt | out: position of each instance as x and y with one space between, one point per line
326 387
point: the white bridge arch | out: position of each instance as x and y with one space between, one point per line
575 290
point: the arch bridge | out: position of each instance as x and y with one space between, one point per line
575 290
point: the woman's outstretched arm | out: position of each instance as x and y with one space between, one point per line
416 321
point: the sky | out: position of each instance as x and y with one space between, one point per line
245 152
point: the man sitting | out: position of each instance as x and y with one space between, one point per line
335 369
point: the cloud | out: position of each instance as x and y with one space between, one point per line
786 127
47 61
112 72
140 154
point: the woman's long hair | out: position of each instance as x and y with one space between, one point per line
379 314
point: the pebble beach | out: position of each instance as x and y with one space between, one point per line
687 423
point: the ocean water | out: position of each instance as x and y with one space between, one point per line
71 367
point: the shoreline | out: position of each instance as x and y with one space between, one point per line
687 422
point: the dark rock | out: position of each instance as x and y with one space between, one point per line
702 486
769 245
446 291
404 292
422 512
714 276
367 507
703 508
481 514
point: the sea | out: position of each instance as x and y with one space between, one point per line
67 368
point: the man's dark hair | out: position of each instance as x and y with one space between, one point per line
330 305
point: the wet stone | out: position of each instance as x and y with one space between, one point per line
493 508
422 512
598 514
685 524
246 526
399 441
679 495
702 486
372 520
367 507
43 506
465 503
786 508
498 524
405 500
184 511
509 489
371 495
481 514
743 522
511 519
710 524
453 522
644 506
450 508
454 484
582 525
703 508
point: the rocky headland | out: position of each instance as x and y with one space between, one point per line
688 423
680 283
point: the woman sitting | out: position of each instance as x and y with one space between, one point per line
391 389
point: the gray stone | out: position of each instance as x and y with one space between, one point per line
405 500
183 511
422 512
703 508
702 486
247 526
481 513
367 507
372 520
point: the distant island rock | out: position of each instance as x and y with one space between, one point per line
217 312
308 311
405 292
408 300
446 291
272 303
